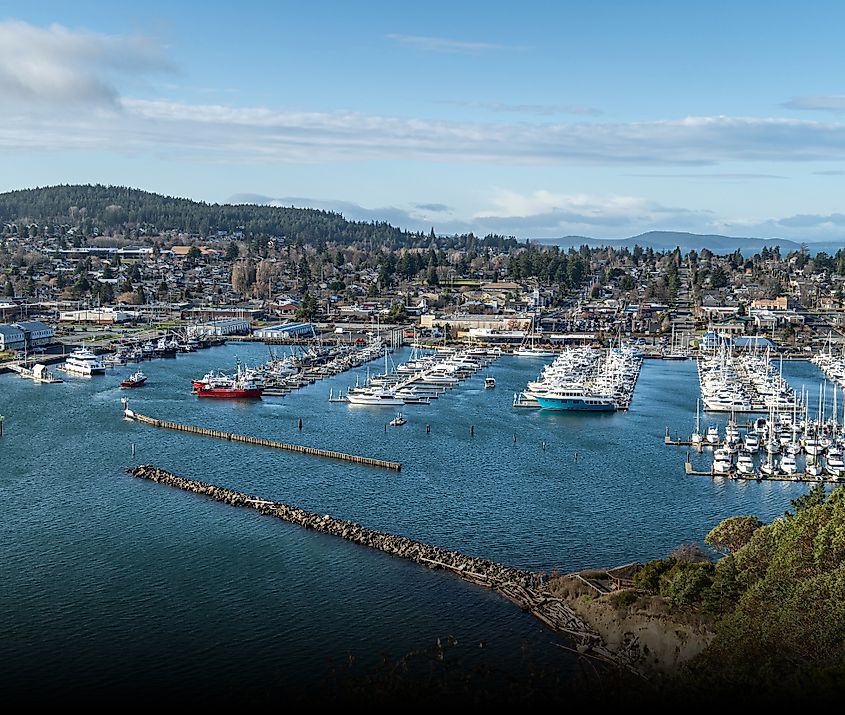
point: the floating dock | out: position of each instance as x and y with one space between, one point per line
261 442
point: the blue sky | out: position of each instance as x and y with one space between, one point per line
534 119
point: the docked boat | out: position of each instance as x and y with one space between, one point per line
375 398
83 362
722 462
489 382
834 464
243 385
398 421
788 465
745 464
577 399
136 379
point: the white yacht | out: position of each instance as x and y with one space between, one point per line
752 443
722 463
83 362
744 464
834 464
788 464
375 397
712 435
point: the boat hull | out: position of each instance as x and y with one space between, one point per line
126 384
225 393
575 404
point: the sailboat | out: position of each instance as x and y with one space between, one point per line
697 438
524 350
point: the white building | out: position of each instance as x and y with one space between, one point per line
105 316
231 326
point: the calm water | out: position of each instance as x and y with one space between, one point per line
108 581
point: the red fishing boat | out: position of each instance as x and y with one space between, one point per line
136 379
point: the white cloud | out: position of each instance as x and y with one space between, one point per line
442 44
57 65
248 135
541 109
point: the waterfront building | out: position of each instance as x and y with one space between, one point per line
229 326
11 338
285 331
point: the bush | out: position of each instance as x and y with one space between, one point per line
685 583
621 600
649 576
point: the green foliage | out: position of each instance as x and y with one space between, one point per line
648 577
686 582
733 533
111 207
815 496
786 631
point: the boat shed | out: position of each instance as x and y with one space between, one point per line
286 331
232 326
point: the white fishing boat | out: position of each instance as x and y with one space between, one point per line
489 382
398 421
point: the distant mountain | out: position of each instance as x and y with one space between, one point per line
668 240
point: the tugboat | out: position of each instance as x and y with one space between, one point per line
136 379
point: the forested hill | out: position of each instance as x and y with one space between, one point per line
116 208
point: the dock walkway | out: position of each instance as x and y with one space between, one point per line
261 442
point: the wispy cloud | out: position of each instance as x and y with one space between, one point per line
57 65
727 176
435 208
829 103
540 109
830 172
442 44
217 132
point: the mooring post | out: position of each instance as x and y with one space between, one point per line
300 424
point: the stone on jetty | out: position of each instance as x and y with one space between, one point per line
521 587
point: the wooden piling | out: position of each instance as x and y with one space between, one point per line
261 442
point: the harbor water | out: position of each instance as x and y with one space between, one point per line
109 582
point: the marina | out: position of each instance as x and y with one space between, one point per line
514 493
585 380
742 382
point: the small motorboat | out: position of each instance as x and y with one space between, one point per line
398 421
136 379
489 382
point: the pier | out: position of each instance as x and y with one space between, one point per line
690 470
261 442
524 588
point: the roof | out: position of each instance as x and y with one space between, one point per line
11 330
31 325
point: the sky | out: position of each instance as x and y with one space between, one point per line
533 119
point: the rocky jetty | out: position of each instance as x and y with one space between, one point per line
525 588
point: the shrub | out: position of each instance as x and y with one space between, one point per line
648 577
